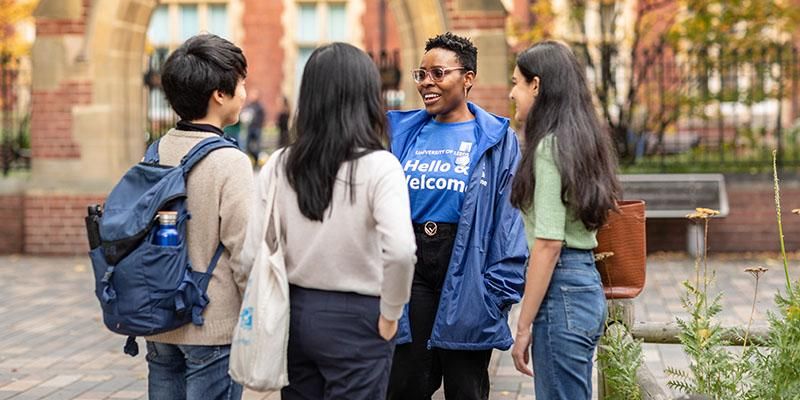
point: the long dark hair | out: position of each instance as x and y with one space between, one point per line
583 149
339 118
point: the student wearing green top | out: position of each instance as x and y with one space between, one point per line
565 184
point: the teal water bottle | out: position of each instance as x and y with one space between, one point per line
167 234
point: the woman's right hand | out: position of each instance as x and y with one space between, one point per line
521 352
387 329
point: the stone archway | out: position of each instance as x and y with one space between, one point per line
88 116
87 73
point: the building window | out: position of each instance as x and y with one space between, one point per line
337 23
158 32
189 21
303 54
308 28
174 21
218 20
318 22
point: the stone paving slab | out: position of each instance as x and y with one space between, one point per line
53 344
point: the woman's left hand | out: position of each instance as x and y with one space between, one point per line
521 352
386 328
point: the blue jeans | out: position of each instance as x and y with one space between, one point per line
567 328
185 372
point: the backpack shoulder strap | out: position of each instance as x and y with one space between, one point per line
211 266
202 149
151 155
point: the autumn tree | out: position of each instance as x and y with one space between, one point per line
12 47
625 45
734 24
609 38
13 12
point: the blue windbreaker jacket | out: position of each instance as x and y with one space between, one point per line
486 274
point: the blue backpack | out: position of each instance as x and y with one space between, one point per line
145 288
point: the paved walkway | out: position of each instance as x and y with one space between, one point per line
53 344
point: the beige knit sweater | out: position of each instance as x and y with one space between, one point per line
220 193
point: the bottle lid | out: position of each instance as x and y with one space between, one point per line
168 217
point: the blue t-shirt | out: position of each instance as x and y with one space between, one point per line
437 170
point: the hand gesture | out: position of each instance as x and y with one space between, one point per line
387 329
521 352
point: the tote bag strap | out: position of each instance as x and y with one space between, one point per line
273 211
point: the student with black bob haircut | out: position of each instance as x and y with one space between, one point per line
566 184
345 231
202 65
204 82
459 161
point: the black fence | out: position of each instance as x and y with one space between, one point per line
15 116
160 116
713 110
389 67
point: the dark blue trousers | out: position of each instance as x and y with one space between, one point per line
335 350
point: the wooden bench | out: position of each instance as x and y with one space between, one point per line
676 195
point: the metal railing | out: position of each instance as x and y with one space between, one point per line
15 116
160 117
714 110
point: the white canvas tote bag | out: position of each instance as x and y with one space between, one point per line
260 339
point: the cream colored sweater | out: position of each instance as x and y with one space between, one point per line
220 193
365 246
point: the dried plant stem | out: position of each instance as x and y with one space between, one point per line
697 264
780 224
705 262
752 312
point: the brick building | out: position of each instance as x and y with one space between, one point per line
277 36
89 111
89 57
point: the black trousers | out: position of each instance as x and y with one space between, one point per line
418 372
335 350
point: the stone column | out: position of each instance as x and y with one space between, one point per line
483 21
88 114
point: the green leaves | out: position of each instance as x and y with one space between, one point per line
778 368
733 24
620 356
713 370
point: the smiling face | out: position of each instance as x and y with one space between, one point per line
523 94
236 102
227 107
445 99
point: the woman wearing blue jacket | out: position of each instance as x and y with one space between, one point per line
459 162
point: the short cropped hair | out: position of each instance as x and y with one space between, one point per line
201 65
466 52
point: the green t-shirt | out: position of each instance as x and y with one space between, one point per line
549 218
